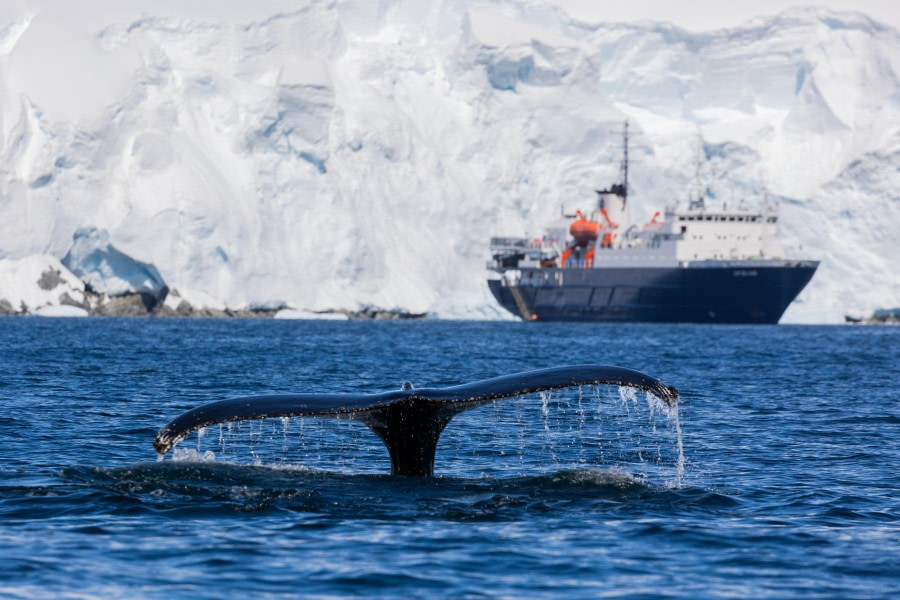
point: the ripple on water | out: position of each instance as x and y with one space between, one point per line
789 487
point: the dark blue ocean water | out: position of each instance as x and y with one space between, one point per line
791 483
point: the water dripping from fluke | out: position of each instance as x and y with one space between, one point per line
409 421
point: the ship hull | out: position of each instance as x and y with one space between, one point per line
706 292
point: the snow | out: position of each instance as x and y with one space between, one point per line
293 314
37 281
333 155
63 310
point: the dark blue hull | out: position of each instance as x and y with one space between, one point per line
711 292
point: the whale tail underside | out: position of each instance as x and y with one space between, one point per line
409 421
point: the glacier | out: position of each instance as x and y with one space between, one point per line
335 155
100 265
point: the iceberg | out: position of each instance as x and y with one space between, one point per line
106 270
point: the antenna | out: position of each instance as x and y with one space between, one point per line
699 199
624 163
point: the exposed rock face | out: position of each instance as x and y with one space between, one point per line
66 300
381 314
126 305
885 316
374 313
50 279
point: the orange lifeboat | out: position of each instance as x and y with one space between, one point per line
584 231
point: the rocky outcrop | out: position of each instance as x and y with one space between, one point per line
882 316
6 308
374 313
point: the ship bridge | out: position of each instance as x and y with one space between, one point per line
740 234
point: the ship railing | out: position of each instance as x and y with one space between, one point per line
509 242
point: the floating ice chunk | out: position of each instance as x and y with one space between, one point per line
61 310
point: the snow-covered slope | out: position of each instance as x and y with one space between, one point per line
38 281
358 153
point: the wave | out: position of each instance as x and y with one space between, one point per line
208 487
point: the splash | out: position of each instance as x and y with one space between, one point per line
628 397
191 455
542 433
657 405
545 408
555 423
591 427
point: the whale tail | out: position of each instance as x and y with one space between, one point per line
409 421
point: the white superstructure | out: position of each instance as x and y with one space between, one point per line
683 236
606 237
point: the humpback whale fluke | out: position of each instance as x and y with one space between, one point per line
409 421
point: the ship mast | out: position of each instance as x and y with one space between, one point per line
699 199
625 163
619 189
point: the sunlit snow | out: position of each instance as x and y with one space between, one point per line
342 154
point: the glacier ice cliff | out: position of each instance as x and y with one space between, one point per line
345 154
106 270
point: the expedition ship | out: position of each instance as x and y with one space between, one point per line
695 265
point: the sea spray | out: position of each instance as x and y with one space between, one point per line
655 405
537 433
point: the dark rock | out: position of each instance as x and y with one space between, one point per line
885 315
129 305
67 300
50 279
6 308
376 314
882 316
184 309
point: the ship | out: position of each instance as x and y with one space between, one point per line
690 264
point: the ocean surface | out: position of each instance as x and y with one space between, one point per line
778 477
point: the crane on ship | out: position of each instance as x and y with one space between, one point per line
585 232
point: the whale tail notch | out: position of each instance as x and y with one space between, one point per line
408 421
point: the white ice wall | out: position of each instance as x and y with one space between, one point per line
355 152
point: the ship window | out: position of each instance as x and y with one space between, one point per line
681 218
731 218
708 218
